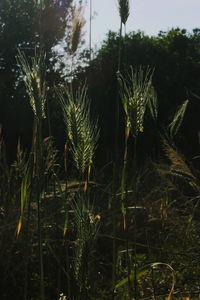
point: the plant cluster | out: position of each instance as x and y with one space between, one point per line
73 231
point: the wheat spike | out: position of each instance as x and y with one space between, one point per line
124 10
136 92
82 132
34 80
178 119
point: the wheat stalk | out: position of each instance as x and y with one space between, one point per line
82 132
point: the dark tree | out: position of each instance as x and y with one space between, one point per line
31 26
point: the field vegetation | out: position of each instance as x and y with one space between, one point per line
99 159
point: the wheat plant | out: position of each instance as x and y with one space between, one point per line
82 132
136 93
33 74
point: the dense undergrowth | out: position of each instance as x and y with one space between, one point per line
123 231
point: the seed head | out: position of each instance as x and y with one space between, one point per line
124 10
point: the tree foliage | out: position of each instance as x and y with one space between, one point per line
32 26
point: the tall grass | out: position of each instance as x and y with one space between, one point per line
136 92
87 249
82 134
123 13
33 187
34 80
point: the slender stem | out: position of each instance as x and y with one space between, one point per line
135 225
57 248
115 175
128 264
48 117
125 47
124 203
40 28
153 284
68 267
38 149
123 178
114 257
120 47
117 104
90 35
27 252
42 293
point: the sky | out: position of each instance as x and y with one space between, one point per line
149 16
